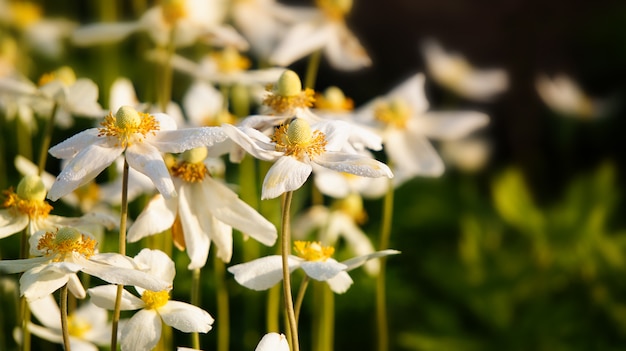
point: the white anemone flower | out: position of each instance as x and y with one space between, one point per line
405 124
314 259
140 136
26 208
325 30
61 254
564 96
454 72
143 329
205 211
296 146
273 342
88 325
341 184
190 20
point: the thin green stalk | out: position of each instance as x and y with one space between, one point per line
285 251
312 68
165 94
381 305
195 300
24 311
64 328
47 138
303 285
273 309
223 309
122 250
328 318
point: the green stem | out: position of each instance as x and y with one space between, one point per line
24 308
285 251
122 251
272 309
64 328
223 329
195 300
311 69
300 297
47 138
165 94
381 308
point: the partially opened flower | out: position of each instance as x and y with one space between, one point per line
273 342
297 146
325 30
205 212
88 325
26 208
314 259
60 254
454 72
140 136
405 124
563 95
143 329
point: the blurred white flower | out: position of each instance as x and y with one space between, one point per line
140 136
143 329
468 154
563 95
454 72
405 124
273 342
324 29
314 259
59 255
205 211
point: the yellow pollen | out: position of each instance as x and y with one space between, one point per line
313 250
296 139
155 299
335 9
333 99
230 60
189 172
352 205
24 14
34 209
77 327
395 112
64 242
64 74
128 128
173 10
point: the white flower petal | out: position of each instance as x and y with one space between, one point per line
122 93
253 141
358 242
322 270
344 51
104 296
148 160
75 286
412 91
10 223
201 102
196 228
356 164
103 33
273 342
158 216
448 125
74 144
287 174
301 40
159 264
262 273
180 140
124 276
83 99
142 332
359 261
185 317
46 333
412 155
22 265
340 283
46 311
38 282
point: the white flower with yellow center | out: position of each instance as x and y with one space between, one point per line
63 253
140 136
88 325
454 72
143 329
563 95
405 124
205 212
26 207
314 259
297 146
324 30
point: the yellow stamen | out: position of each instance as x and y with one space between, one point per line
352 205
189 172
77 327
64 74
333 99
335 9
64 242
395 112
34 209
24 14
230 60
296 139
173 10
288 94
155 299
128 126
313 250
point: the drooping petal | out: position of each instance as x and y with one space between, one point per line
148 160
46 311
273 342
156 217
322 270
74 144
253 141
104 296
359 261
287 174
85 166
41 281
142 332
75 286
123 276
195 227
340 283
222 236
262 273
158 262
448 125
356 164
176 141
185 317
10 223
